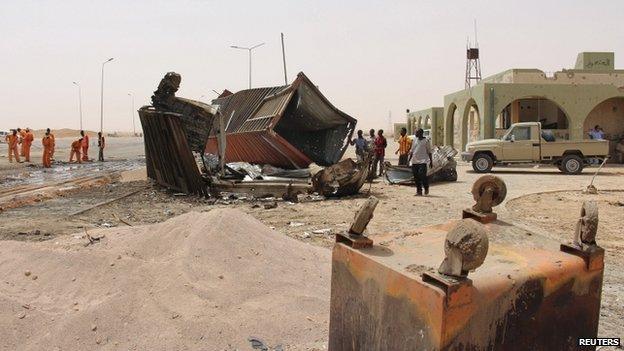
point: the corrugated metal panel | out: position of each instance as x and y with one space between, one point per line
313 130
243 105
261 147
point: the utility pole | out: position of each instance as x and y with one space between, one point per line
79 101
249 49
102 97
284 59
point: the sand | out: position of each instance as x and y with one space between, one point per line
198 281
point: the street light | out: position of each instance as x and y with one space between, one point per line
249 50
132 113
102 97
79 101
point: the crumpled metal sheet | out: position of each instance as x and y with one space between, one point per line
344 178
444 168
286 126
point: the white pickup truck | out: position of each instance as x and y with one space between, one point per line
527 143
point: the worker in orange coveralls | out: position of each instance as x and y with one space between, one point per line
75 150
12 140
47 142
22 134
85 146
27 143
53 143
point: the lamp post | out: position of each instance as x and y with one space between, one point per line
249 50
79 101
132 113
102 97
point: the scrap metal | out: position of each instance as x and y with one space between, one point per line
525 295
487 191
344 178
173 129
444 168
287 126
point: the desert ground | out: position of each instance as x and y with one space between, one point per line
163 256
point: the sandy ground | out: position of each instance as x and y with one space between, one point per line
315 222
198 281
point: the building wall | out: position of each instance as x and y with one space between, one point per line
576 101
431 118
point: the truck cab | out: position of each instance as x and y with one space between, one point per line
527 142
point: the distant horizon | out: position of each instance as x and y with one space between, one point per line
369 58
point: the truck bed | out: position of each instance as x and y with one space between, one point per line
589 148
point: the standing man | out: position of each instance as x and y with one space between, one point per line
12 141
371 146
53 139
85 146
405 145
47 149
380 150
361 146
101 145
27 143
420 156
21 133
75 150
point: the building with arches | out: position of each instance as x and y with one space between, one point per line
569 102
431 118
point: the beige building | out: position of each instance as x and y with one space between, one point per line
570 102
431 118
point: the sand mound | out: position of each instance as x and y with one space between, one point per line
198 281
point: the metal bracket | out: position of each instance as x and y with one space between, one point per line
483 218
593 255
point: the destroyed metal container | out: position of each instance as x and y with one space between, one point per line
527 295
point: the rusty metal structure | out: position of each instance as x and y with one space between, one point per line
287 126
497 289
173 129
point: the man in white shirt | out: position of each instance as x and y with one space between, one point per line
420 156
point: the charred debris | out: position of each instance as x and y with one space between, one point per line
293 131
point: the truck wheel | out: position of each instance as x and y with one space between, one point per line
572 164
482 163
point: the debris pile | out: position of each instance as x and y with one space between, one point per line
443 170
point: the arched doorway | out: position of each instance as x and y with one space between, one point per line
427 122
453 127
471 126
419 122
534 109
609 115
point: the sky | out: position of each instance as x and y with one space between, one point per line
372 59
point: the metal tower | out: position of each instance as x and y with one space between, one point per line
473 64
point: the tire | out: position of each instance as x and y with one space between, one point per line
572 164
482 163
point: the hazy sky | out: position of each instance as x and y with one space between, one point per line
368 57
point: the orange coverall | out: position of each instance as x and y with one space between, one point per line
53 146
22 135
26 144
13 140
75 150
47 151
85 147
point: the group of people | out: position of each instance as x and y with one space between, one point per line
20 141
416 153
